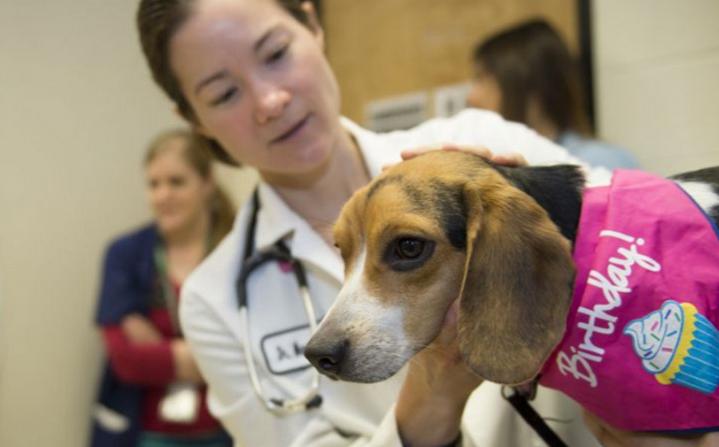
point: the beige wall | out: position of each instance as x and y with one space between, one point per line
76 109
657 68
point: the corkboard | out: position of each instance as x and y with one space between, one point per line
384 48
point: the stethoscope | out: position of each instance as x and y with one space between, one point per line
250 261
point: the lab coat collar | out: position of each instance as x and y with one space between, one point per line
375 148
276 220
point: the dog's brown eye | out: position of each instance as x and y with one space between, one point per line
409 248
408 253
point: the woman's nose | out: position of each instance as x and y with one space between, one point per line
160 194
271 102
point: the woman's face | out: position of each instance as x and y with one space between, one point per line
258 83
485 92
177 194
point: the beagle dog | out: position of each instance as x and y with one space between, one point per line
449 225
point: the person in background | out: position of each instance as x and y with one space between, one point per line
526 74
152 393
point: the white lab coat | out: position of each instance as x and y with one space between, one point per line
351 414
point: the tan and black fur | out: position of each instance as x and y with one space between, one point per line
448 225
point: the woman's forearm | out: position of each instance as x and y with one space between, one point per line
438 384
427 418
138 363
185 365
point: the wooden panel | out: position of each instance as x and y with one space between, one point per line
382 48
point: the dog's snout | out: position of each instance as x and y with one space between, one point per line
327 357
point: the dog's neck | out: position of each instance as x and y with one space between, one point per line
557 189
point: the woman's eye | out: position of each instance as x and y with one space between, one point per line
225 96
177 181
409 248
278 54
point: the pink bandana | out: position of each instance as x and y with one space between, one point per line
641 349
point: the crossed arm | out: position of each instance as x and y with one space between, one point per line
139 353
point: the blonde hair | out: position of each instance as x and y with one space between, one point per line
199 158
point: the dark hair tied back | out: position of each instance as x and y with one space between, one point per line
531 61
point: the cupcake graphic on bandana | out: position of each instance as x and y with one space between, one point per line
678 346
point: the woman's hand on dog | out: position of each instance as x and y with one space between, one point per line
435 391
511 159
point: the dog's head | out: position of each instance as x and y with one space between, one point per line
442 226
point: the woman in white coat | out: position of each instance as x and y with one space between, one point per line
251 77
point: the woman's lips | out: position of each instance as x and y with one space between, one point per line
294 130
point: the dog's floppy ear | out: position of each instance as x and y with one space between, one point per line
517 283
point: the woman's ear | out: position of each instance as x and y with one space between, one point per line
313 22
517 283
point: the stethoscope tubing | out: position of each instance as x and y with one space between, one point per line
251 261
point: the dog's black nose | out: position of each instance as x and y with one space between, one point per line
327 357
